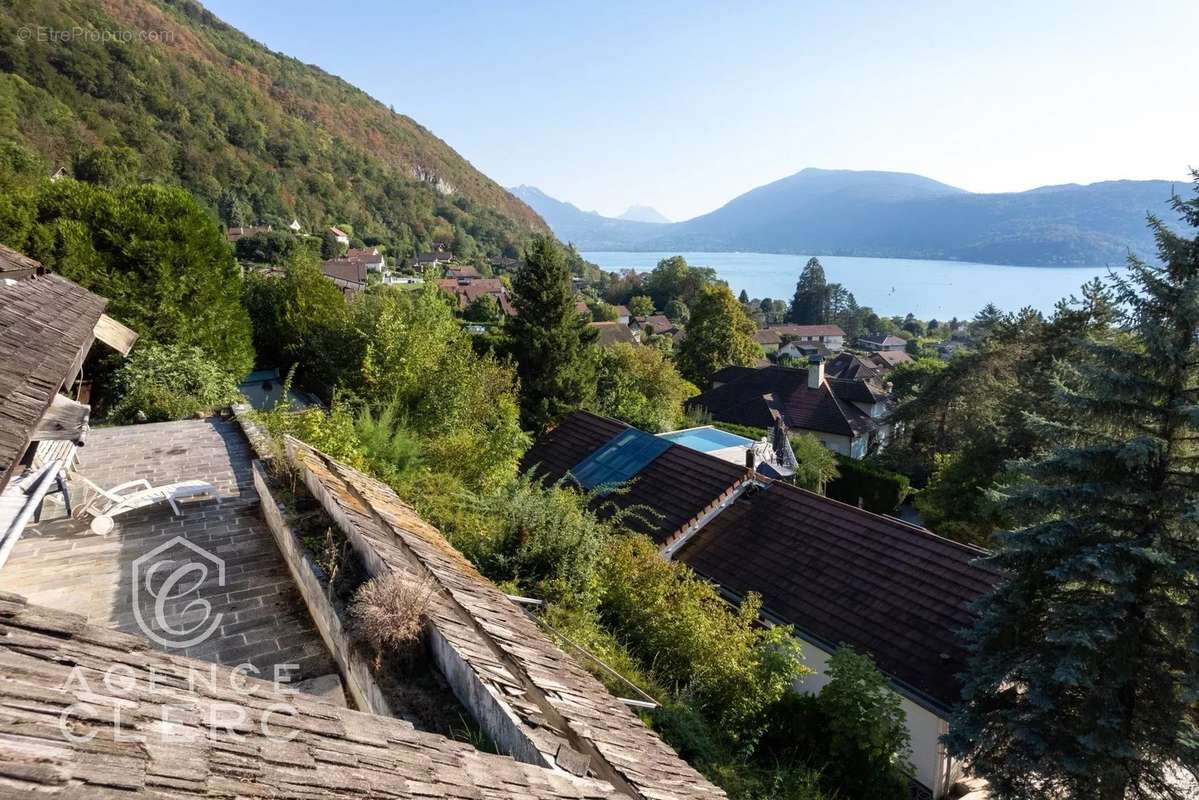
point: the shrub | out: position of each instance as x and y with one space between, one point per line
879 490
868 743
390 447
166 382
544 538
390 612
677 622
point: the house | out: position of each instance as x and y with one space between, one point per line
877 343
431 259
854 367
237 232
846 416
829 336
835 574
370 256
470 291
622 314
463 273
347 275
802 351
47 327
341 236
502 264
655 324
610 333
890 359
770 340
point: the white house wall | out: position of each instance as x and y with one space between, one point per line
924 727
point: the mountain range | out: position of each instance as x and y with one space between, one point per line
898 215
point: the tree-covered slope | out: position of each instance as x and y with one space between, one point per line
254 134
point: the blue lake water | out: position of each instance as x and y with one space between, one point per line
928 289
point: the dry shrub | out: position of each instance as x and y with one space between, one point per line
390 612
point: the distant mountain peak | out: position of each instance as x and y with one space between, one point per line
638 213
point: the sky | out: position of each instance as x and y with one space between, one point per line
684 105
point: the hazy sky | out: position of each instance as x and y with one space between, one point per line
684 105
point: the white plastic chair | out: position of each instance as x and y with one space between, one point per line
108 503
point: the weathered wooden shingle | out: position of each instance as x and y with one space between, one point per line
552 698
46 325
149 730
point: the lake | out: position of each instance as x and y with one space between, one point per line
928 289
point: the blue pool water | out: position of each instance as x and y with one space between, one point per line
706 440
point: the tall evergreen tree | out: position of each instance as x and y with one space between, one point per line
550 339
810 304
1084 677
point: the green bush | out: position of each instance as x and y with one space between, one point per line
166 382
879 490
673 619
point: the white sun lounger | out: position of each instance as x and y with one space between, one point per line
108 503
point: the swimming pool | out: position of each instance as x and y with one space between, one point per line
707 439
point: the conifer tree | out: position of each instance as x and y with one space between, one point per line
550 339
809 306
1084 675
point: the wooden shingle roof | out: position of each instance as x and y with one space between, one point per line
46 329
17 265
154 730
560 709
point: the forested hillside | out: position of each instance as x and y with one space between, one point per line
255 135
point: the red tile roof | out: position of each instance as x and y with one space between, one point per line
468 293
465 271
741 401
844 575
681 484
808 330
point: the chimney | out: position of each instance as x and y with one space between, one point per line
815 371
749 459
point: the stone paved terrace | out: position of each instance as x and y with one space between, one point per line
59 563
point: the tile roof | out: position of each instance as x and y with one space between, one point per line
344 269
611 333
46 329
808 330
844 575
681 485
852 367
155 730
891 358
879 340
742 401
554 702
767 336
468 293
621 311
464 271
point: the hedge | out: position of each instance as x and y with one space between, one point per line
879 490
